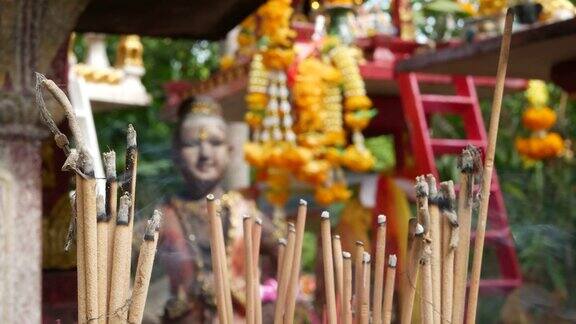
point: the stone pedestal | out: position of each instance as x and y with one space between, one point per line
31 33
20 230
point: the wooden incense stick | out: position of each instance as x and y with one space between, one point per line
426 302
111 209
250 272
415 249
118 306
130 187
284 277
358 278
224 269
80 264
379 270
295 269
256 237
462 252
426 306
347 291
446 202
436 238
144 269
217 262
90 236
327 259
281 252
389 290
102 227
488 168
365 298
338 271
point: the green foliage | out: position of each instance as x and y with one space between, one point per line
165 60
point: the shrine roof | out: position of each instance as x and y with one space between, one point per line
200 19
536 53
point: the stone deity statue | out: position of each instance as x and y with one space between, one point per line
202 153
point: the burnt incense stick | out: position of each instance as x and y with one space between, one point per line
468 165
144 269
379 270
426 302
365 298
446 202
422 193
90 237
80 264
102 227
415 249
436 246
216 256
250 272
281 252
111 208
118 306
130 187
347 290
284 278
488 167
338 271
358 277
295 269
389 290
256 237
327 259
63 101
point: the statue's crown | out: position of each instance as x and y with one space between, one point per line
205 106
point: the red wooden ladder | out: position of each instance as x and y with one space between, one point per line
417 109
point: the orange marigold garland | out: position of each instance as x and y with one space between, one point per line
539 118
329 97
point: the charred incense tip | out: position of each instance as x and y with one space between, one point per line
123 217
421 187
346 255
86 163
433 190
470 161
210 197
282 241
366 257
101 209
336 237
302 202
153 226
325 215
258 220
381 219
392 261
131 136
246 217
359 243
291 227
71 162
110 164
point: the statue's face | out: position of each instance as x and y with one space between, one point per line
205 152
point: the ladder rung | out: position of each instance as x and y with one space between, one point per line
442 146
493 236
445 104
491 286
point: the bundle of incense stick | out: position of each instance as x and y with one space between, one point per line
103 234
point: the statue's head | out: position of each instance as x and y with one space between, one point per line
201 148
